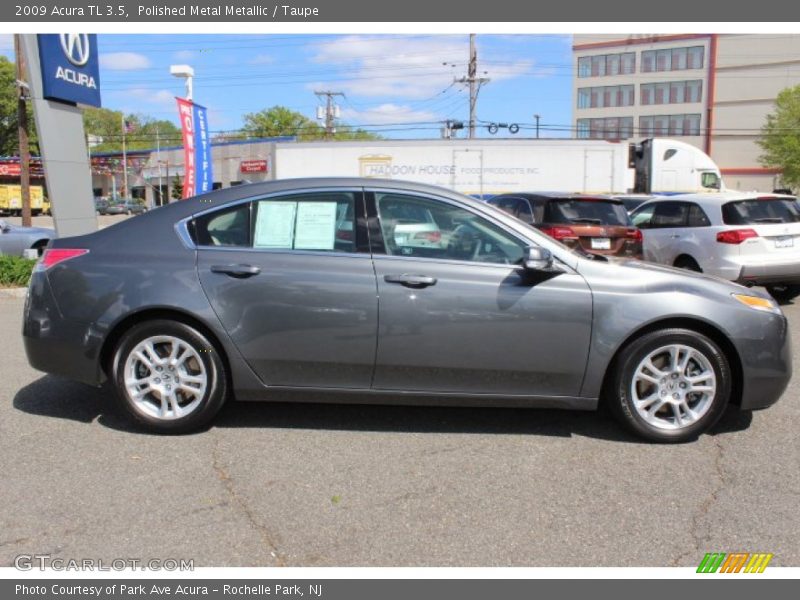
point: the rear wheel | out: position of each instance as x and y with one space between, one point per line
688 263
670 385
169 377
784 292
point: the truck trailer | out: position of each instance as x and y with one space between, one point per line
483 168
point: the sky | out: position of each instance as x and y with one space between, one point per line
398 85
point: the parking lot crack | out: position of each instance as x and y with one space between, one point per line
698 537
228 484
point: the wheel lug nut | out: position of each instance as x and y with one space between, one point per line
676 395
169 387
157 380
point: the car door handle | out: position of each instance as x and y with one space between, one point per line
412 281
238 271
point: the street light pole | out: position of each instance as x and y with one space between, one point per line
22 129
186 73
537 125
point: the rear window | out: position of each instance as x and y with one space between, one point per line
586 212
761 211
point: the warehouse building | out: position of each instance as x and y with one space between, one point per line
712 90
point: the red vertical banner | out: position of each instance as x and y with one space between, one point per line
186 113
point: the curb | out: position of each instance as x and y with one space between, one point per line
13 292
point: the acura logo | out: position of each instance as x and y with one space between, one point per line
76 47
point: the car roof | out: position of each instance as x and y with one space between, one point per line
557 196
720 197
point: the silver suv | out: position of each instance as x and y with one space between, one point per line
750 238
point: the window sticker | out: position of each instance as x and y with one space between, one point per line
275 225
316 226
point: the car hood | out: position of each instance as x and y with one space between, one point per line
656 276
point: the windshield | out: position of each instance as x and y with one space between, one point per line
587 212
761 211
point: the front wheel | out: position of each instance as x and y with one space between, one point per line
169 377
670 385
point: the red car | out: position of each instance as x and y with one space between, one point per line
596 224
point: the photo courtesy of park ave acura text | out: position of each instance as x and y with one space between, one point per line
393 298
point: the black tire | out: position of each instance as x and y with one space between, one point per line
688 263
619 398
784 293
40 246
216 391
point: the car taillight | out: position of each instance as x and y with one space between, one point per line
635 235
53 256
560 233
735 236
431 236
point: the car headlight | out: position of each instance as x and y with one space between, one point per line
758 303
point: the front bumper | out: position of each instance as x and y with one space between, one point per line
766 368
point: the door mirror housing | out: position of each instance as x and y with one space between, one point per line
539 259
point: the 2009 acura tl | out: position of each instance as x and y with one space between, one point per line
361 290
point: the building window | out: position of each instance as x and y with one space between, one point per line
607 64
676 92
584 66
673 125
672 59
612 128
605 97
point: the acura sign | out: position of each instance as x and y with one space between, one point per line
70 71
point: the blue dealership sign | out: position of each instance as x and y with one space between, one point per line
70 67
202 148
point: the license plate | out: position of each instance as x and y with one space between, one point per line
601 244
784 242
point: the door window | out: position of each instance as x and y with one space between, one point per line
225 227
643 217
421 227
697 217
670 214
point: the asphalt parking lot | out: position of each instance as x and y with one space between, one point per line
324 485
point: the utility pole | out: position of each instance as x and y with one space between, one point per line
474 82
537 125
22 128
124 158
331 111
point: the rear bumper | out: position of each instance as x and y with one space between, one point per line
766 273
55 345
766 370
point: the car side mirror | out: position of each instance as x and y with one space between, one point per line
539 259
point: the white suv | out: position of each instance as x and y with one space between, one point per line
749 238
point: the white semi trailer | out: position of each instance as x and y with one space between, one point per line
488 167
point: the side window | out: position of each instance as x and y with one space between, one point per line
323 221
225 227
643 217
524 211
671 214
422 227
697 218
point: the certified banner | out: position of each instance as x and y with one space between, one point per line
198 175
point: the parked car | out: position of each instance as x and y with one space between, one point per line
100 205
134 207
251 293
750 238
115 208
14 239
633 201
597 224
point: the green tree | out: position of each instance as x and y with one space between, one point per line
780 137
177 188
279 121
147 131
9 137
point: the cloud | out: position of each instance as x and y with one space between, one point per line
376 67
184 55
124 61
261 59
142 100
387 66
388 114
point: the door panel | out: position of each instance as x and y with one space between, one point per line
303 320
481 329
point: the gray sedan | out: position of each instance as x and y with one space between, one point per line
317 289
14 240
